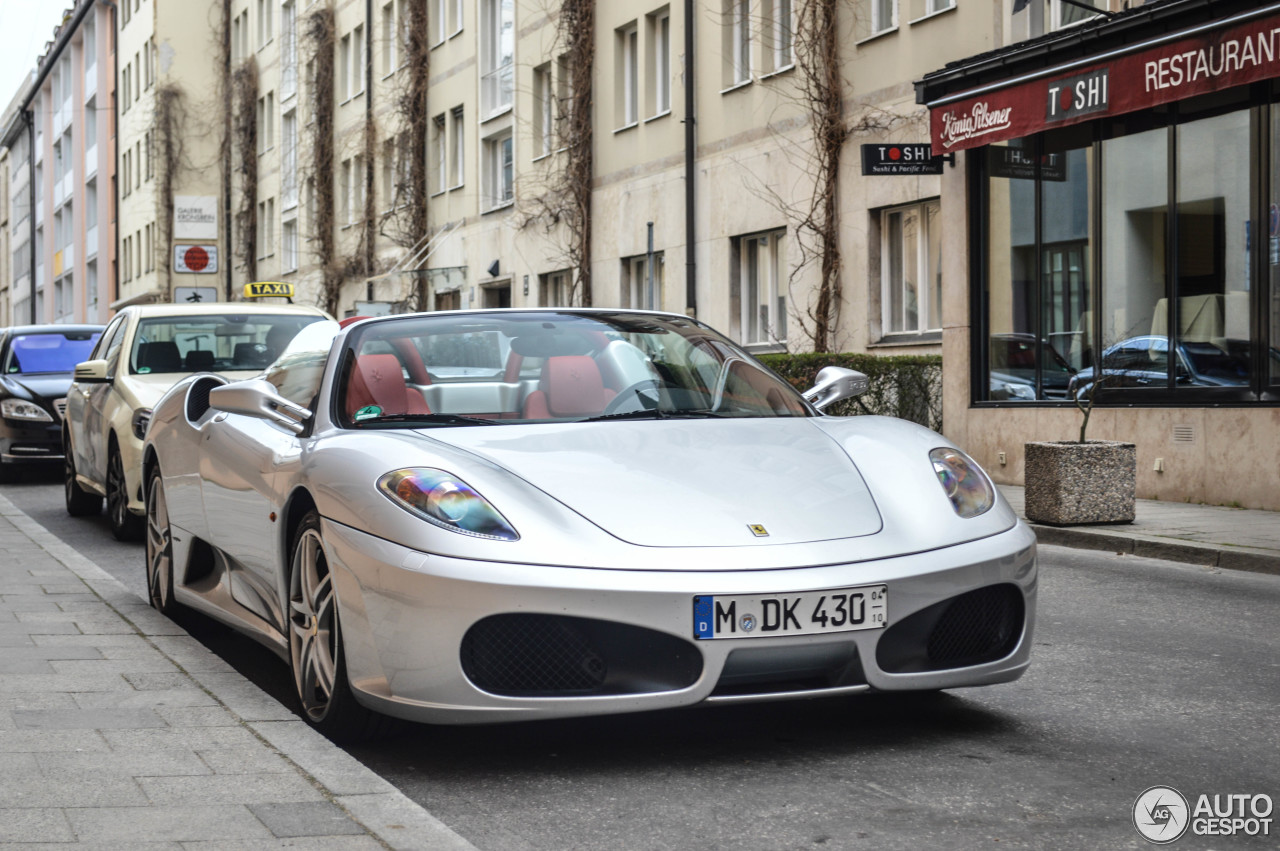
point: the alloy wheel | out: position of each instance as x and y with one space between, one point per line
159 549
312 636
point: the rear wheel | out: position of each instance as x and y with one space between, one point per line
125 525
159 548
80 502
316 653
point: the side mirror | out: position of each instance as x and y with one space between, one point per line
835 383
92 372
257 397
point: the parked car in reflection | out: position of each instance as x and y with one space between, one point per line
482 516
1144 362
36 362
1013 368
144 350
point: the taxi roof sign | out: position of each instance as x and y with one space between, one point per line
268 289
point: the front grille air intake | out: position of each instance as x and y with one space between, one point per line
977 627
533 655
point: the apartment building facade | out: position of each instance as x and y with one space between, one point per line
60 235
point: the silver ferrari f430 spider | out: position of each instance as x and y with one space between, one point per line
483 516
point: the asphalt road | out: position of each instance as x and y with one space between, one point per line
1145 673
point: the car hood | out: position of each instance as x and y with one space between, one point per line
51 385
689 483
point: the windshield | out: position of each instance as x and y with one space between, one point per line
505 368
214 342
49 351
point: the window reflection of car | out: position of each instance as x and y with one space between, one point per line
1013 368
1144 362
35 372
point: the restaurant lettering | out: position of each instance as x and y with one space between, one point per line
1229 57
980 121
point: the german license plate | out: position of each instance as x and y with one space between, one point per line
806 613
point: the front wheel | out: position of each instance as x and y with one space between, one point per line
159 548
315 644
125 525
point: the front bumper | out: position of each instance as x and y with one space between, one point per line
28 442
405 615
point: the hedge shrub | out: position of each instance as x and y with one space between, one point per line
905 386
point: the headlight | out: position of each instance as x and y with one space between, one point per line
446 501
966 485
141 419
18 409
1015 390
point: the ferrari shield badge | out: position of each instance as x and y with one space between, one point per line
758 530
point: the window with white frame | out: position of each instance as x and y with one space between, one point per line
455 16
934 6
388 38
438 159
458 135
911 269
266 228
288 50
358 81
499 186
738 19
779 34
1065 14
90 46
884 15
638 292
63 305
438 22
627 44
359 187
289 245
344 193
388 174
497 55
761 287
344 69
289 160
543 105
555 289
264 23
659 58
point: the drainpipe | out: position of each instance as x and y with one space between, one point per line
31 195
690 231
115 136
227 216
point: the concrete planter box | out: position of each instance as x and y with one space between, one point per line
1080 484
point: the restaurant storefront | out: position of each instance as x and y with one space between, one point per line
1115 212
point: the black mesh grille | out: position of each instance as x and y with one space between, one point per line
973 628
979 626
531 654
198 397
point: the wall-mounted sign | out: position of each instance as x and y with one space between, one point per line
196 259
194 295
268 289
900 158
1172 70
195 217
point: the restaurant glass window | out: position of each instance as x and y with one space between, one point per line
1010 272
1273 251
1066 171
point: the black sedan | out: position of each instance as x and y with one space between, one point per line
36 362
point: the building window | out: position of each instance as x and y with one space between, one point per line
627 44
779 34
1065 14
761 288
344 69
288 50
388 174
388 38
497 55
543 105
264 23
358 69
1164 312
638 292
289 160
499 188
439 20
884 15
658 38
911 269
344 194
289 245
438 159
457 163
738 46
555 289
266 228
935 6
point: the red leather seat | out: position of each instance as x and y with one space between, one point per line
378 380
571 386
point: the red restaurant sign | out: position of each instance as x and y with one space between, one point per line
1209 62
